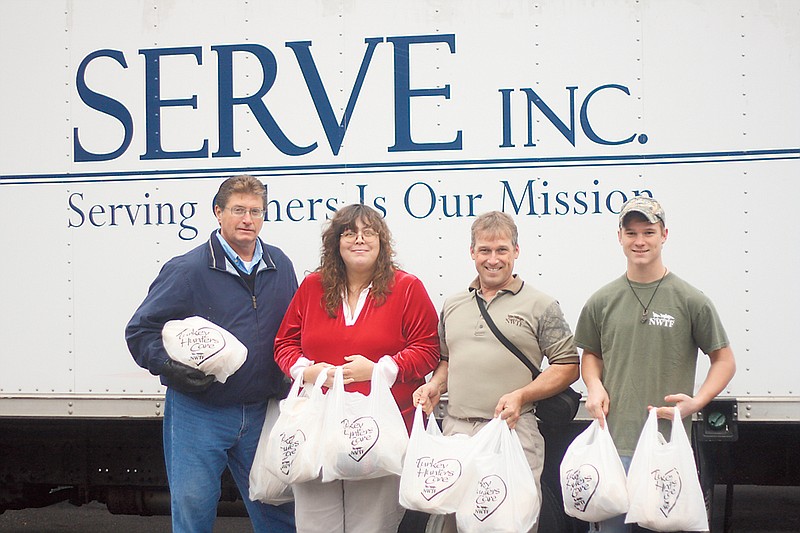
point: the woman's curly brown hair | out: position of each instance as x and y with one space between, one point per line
332 267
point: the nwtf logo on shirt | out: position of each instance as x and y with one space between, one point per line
663 320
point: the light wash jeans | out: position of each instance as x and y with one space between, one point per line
200 440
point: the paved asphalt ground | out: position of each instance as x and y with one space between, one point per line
755 510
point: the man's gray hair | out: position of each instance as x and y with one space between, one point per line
495 224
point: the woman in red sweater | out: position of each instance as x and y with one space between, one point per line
356 308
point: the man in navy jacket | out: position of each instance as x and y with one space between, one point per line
243 285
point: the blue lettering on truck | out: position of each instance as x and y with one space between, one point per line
157 130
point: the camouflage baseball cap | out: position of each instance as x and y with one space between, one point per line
645 205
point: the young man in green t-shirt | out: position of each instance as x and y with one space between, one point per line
640 336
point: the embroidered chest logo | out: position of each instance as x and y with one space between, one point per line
515 320
663 320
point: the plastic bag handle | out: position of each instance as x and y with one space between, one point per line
316 389
431 428
418 424
321 378
337 390
678 433
299 383
294 391
379 386
490 435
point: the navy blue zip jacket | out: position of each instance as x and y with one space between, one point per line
204 283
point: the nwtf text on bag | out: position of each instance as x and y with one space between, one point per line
365 436
593 482
264 485
500 493
433 470
293 453
201 344
663 486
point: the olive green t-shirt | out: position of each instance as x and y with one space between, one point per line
643 362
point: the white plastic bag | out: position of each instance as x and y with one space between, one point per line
264 485
365 436
593 482
201 344
293 452
501 494
663 486
432 480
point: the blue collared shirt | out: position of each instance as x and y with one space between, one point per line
236 260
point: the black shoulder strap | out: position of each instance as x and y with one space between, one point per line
502 338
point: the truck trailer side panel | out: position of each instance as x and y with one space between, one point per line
119 124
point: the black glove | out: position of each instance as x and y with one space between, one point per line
184 378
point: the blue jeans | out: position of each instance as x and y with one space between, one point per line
200 440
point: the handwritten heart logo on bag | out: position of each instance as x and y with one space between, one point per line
202 343
289 445
362 434
437 476
581 484
490 495
668 485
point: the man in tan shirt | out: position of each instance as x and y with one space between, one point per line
482 378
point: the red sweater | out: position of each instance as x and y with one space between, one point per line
404 327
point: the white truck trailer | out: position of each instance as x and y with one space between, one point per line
119 121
